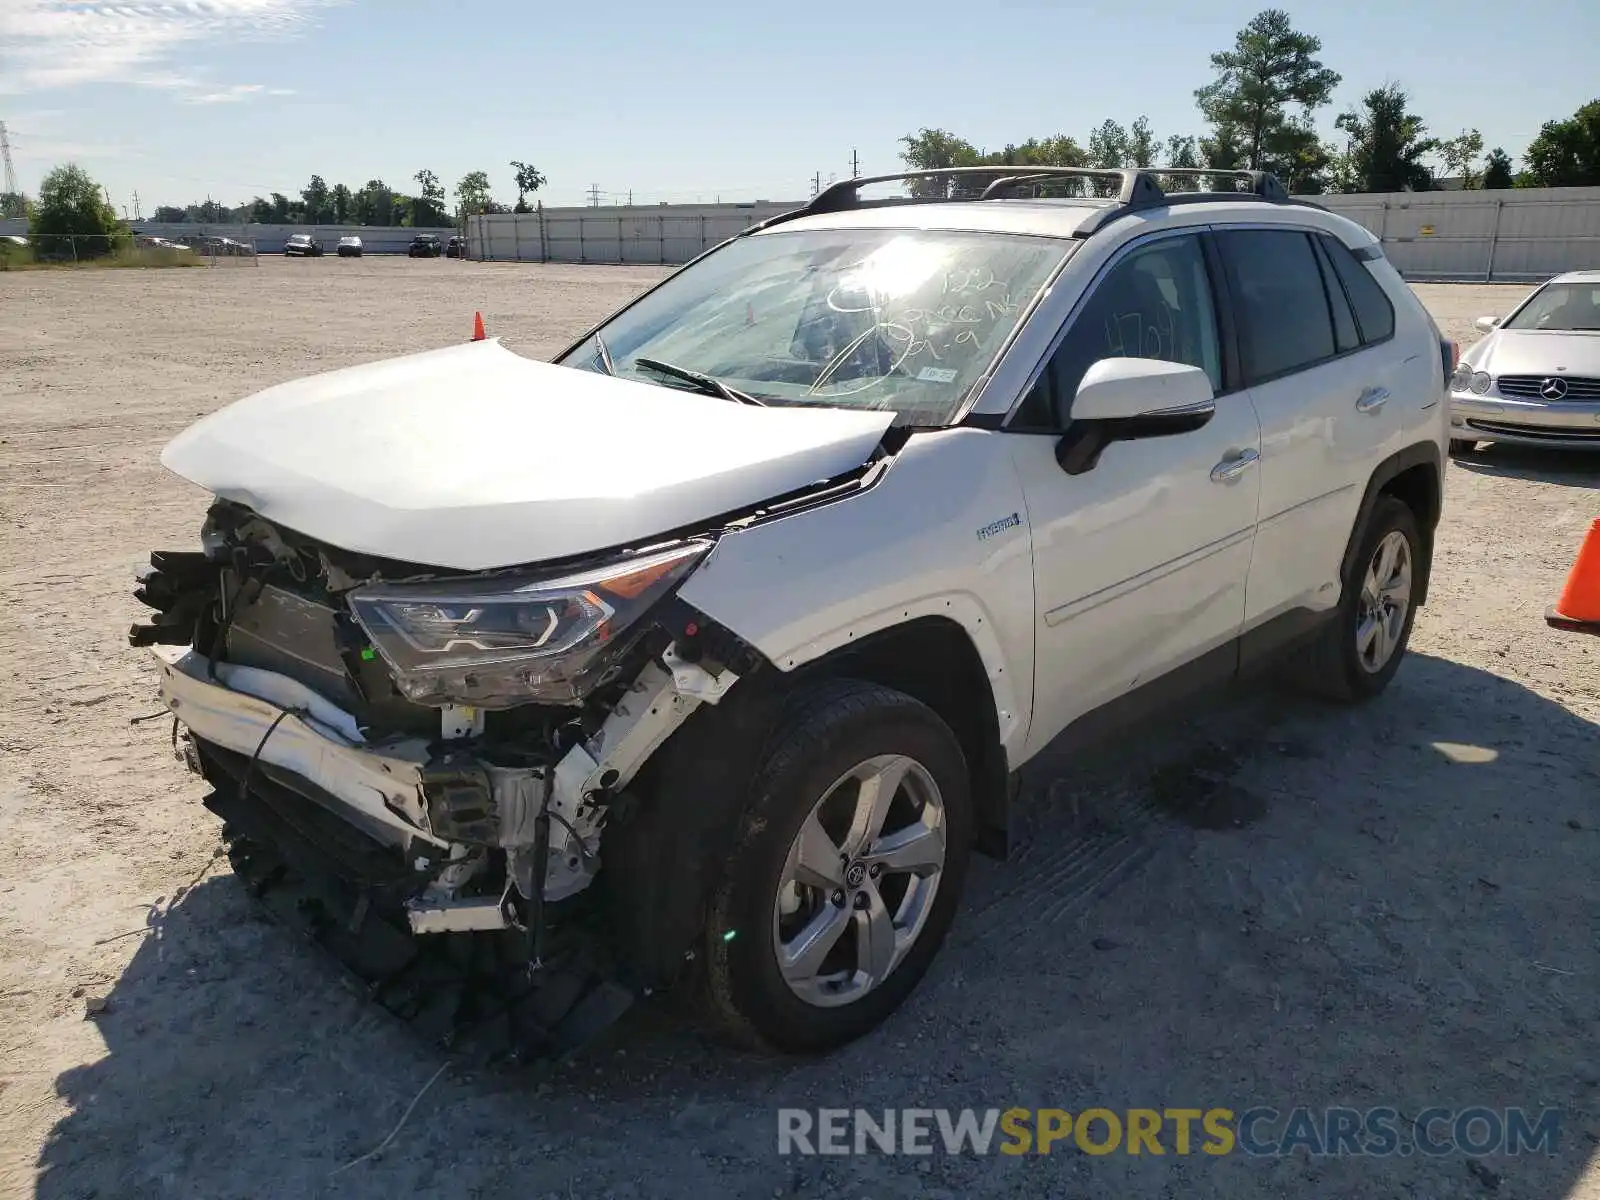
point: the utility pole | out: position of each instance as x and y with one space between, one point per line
816 184
630 197
855 165
5 153
594 195
138 213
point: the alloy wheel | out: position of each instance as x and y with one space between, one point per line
1385 601
859 881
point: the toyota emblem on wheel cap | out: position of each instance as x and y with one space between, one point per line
1553 389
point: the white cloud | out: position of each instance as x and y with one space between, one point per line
227 95
62 43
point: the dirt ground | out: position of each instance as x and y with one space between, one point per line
1279 904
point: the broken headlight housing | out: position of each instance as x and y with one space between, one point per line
503 640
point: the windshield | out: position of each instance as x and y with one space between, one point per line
904 320
1560 308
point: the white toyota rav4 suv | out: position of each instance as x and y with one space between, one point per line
706 654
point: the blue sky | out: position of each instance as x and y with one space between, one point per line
691 99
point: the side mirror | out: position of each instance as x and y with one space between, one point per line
1487 324
1125 399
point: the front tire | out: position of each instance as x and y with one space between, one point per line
847 870
1359 652
1462 447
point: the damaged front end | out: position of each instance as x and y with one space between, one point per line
424 758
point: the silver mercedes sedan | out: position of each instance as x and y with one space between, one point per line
1535 379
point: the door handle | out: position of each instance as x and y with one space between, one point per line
1372 399
1231 468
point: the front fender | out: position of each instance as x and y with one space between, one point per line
943 532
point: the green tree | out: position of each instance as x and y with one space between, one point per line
72 213
1183 151
374 203
1566 153
935 150
261 211
280 209
13 204
1387 143
1461 154
339 200
427 208
169 214
1271 71
472 193
1142 143
1108 145
316 198
1498 170
528 179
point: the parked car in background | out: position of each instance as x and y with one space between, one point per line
349 246
303 245
456 247
1535 379
983 473
205 243
11 239
425 245
149 241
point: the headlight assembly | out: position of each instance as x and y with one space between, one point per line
1481 382
503 640
1462 379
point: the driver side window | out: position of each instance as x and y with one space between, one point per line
1155 303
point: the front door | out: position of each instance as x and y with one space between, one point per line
1140 562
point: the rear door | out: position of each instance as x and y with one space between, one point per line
1323 397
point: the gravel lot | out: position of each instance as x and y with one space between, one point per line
1281 904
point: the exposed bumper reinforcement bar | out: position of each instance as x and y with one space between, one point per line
378 787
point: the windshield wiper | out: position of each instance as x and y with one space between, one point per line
605 355
707 384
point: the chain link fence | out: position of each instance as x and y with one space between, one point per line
18 252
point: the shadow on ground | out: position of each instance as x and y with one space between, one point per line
1280 905
1573 468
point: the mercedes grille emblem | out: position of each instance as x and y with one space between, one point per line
1553 389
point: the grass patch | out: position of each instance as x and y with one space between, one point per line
24 258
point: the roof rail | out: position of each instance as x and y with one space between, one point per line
1136 188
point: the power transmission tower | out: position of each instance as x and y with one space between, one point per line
816 184
594 195
138 213
855 165
11 171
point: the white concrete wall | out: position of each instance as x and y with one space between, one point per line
667 233
1515 235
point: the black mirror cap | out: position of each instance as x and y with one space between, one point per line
1082 444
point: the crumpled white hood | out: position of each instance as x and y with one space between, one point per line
473 457
1533 352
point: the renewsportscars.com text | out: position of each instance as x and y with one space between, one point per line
1256 1131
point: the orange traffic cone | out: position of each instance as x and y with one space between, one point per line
1579 606
477 327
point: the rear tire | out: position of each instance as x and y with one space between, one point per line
1359 651
1462 447
813 941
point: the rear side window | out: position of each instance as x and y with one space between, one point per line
1345 334
1282 310
1374 313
